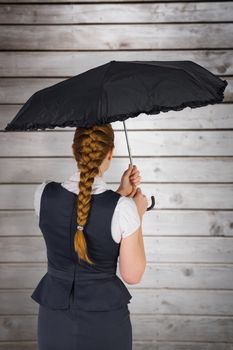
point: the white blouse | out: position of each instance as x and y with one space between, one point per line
125 220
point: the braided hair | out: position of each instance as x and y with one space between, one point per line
90 147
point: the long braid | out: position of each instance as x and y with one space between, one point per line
90 147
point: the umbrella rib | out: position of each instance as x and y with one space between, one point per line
101 91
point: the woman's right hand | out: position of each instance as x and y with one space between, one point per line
141 201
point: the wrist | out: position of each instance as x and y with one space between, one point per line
121 192
140 215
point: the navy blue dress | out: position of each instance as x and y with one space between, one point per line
81 307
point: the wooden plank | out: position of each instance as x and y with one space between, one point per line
179 302
200 317
187 223
162 301
155 143
17 302
183 328
125 13
168 223
157 275
65 64
164 345
163 170
211 117
18 328
114 37
31 345
158 249
18 90
137 345
185 275
77 1
25 275
167 196
146 327
180 249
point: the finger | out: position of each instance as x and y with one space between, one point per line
129 169
134 176
136 179
135 171
134 168
133 192
136 184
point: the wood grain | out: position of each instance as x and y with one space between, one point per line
66 64
116 37
124 13
185 298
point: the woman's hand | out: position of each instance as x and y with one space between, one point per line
141 202
129 181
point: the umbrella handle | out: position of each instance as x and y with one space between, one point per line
152 203
131 162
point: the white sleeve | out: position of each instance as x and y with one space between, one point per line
37 196
126 218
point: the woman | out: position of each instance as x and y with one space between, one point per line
83 304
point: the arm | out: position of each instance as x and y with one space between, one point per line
132 258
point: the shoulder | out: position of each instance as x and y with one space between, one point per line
39 188
126 219
126 203
38 193
127 209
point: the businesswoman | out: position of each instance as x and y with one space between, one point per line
83 304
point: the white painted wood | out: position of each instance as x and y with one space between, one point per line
185 300
68 1
155 143
65 64
116 37
157 169
31 345
164 345
183 328
125 13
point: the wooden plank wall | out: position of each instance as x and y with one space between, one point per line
185 299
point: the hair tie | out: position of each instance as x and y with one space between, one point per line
80 227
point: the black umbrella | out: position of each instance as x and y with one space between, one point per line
119 90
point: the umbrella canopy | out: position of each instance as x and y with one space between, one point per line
119 90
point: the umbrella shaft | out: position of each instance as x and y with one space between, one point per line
127 141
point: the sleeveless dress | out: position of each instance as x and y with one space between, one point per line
81 307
